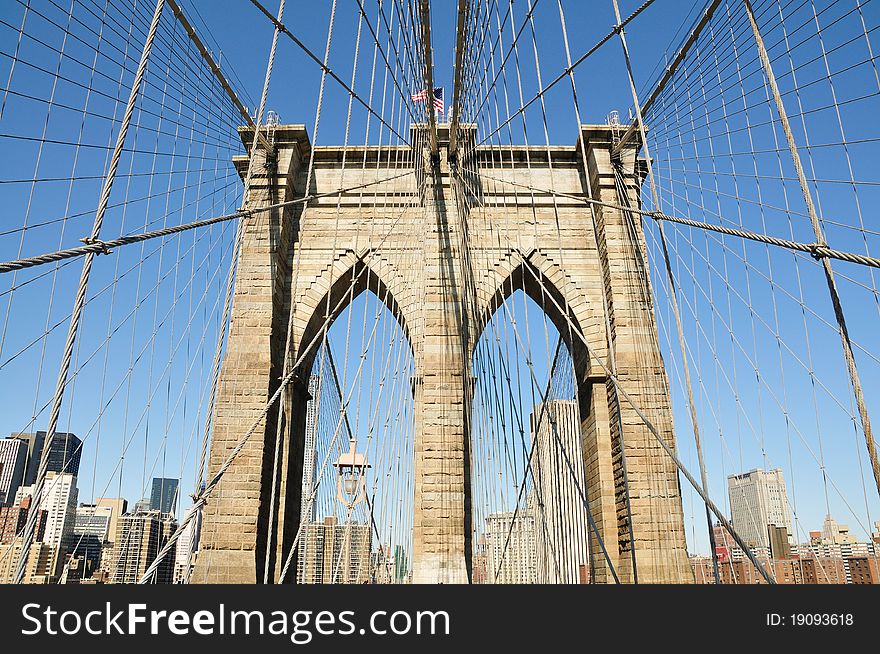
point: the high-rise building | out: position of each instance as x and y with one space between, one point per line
310 558
14 518
839 552
142 505
13 459
93 520
94 526
382 565
389 566
187 548
510 548
480 566
307 513
864 570
118 507
558 494
401 565
55 529
138 539
163 498
333 553
64 453
758 500
44 565
34 444
823 570
59 501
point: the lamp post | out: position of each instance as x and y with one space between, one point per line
351 488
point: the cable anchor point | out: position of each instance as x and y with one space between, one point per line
818 251
104 248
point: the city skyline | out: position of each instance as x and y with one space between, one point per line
112 545
609 308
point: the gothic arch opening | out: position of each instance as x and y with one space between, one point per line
530 499
346 498
344 290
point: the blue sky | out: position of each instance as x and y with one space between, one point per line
149 332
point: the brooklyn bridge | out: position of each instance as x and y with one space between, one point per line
468 292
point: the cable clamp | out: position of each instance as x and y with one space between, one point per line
818 251
105 249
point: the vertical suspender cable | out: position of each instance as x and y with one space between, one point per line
425 15
848 356
80 299
672 295
460 44
612 358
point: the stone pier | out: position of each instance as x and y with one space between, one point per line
442 256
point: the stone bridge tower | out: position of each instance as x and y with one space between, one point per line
478 240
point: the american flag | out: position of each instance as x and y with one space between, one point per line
421 96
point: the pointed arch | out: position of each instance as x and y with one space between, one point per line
326 297
529 433
319 302
545 282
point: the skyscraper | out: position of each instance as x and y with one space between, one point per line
59 501
334 554
118 507
13 520
164 495
307 513
138 539
187 546
34 444
64 453
834 533
780 545
142 505
93 520
758 500
44 566
13 459
311 548
94 527
510 548
558 495
401 565
309 564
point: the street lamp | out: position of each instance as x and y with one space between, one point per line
351 488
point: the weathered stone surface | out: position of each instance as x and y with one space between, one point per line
442 257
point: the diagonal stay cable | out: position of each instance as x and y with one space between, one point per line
281 27
404 96
201 499
662 441
670 70
510 50
215 69
569 69
817 250
103 247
